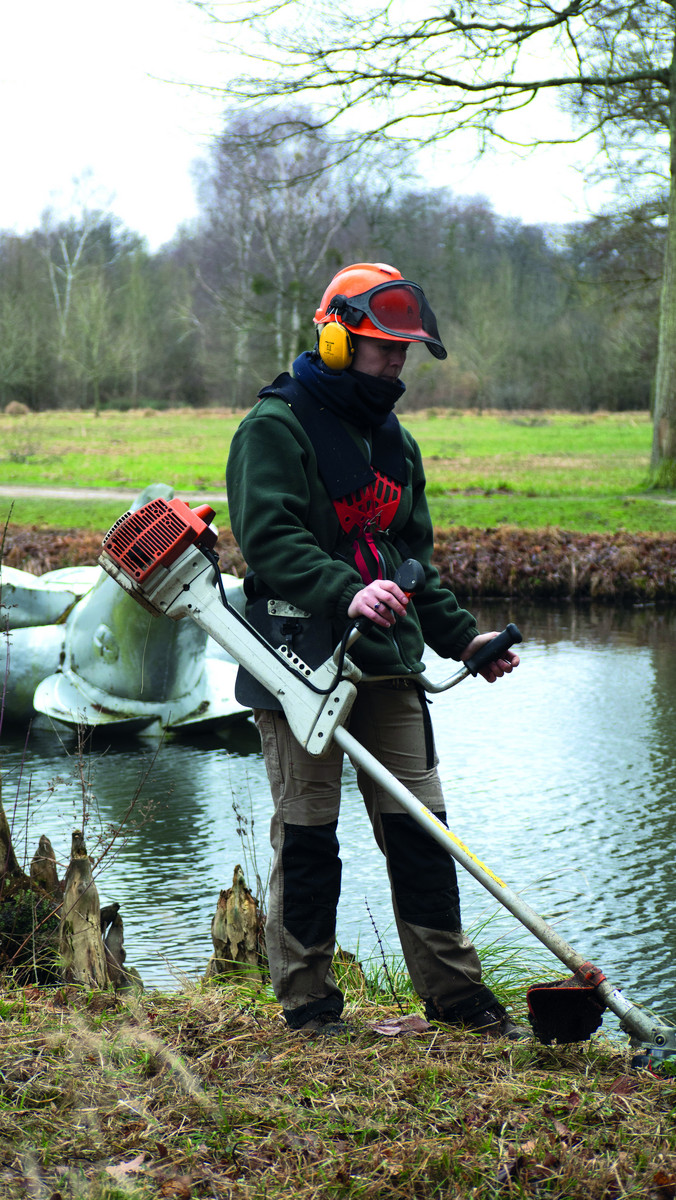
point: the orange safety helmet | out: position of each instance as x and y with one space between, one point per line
374 300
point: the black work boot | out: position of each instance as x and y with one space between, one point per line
321 1018
326 1025
482 1013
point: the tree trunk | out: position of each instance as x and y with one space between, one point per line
663 460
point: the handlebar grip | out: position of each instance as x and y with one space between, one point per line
510 636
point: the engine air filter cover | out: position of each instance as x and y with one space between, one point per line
156 535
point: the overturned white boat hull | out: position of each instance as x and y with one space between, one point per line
76 649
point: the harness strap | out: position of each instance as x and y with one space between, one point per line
368 573
365 495
342 465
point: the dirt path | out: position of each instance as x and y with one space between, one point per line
18 492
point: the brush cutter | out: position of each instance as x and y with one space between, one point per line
163 556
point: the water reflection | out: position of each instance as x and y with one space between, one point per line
562 779
574 801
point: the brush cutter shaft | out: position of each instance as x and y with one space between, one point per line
522 911
317 704
637 1022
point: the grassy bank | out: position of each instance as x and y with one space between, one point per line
207 1094
578 472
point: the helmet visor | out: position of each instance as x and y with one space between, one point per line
398 309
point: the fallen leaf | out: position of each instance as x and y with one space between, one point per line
392 1026
550 1161
562 1130
306 1144
511 1169
663 1186
119 1170
624 1085
180 1187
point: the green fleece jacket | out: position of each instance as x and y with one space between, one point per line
290 537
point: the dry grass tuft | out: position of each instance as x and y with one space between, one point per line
209 1095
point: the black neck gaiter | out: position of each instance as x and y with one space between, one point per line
365 400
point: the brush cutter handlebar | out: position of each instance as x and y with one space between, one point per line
410 577
493 650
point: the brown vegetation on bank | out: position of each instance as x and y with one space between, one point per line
505 561
553 563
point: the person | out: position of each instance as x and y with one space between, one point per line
326 494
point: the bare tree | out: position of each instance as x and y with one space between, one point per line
63 255
272 217
426 75
19 348
95 348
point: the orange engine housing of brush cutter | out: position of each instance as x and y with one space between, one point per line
156 535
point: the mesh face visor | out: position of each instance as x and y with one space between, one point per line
398 309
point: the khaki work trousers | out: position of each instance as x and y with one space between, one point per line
390 719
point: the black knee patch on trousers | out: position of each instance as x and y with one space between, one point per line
423 876
312 872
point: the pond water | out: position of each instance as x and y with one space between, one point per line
562 779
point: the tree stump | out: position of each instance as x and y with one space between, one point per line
121 977
43 868
32 936
10 871
28 919
236 931
81 944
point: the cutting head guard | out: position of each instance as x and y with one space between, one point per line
374 300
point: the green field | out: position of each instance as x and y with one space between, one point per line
585 472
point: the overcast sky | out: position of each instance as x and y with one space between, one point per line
85 90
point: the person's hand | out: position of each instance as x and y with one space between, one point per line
495 670
381 601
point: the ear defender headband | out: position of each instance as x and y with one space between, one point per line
335 346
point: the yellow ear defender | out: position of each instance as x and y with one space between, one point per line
335 346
